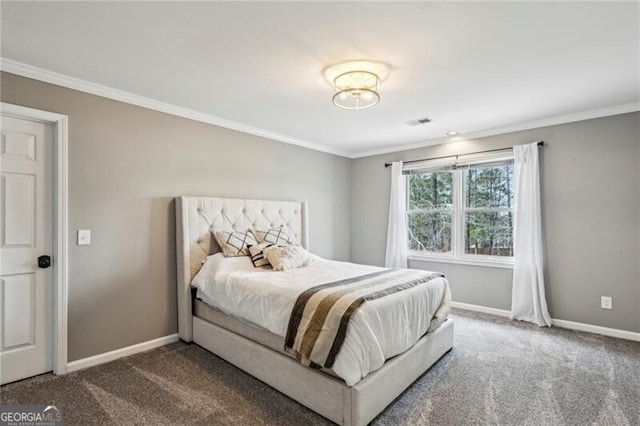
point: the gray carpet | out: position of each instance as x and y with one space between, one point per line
499 373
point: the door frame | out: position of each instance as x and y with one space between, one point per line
60 223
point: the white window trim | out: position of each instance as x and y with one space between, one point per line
488 263
457 255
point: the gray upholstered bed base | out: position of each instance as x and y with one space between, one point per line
332 398
346 405
248 331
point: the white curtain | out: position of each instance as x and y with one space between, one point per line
396 255
528 301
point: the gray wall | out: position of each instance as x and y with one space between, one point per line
125 165
590 177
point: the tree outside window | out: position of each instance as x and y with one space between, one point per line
488 212
430 211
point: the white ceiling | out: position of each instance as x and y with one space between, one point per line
467 66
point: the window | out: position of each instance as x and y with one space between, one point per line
462 213
488 211
430 211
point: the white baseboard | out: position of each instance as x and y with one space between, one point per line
483 309
119 353
596 329
605 331
161 341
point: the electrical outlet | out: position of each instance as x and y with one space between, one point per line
606 302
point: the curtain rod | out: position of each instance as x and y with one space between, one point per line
540 143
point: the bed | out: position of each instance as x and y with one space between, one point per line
257 350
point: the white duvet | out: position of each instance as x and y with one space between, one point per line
380 329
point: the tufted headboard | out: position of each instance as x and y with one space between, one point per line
196 217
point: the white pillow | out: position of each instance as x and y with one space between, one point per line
274 236
256 252
283 258
235 243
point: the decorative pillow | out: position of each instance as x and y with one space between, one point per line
235 243
257 254
286 257
273 236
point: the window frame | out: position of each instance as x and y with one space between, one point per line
457 255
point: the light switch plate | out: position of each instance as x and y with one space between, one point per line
84 237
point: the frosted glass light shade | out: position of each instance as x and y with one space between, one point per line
356 90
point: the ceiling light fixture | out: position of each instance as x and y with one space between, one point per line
355 83
356 90
453 133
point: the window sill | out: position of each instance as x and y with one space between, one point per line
468 262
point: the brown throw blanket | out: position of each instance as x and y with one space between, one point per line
320 316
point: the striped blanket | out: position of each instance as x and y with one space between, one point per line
320 316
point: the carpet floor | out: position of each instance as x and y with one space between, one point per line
499 372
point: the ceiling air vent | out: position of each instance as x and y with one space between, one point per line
418 122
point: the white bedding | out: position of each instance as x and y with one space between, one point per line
380 329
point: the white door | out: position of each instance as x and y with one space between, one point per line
26 233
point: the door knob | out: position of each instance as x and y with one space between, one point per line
44 261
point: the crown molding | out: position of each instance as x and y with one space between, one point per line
69 82
511 128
